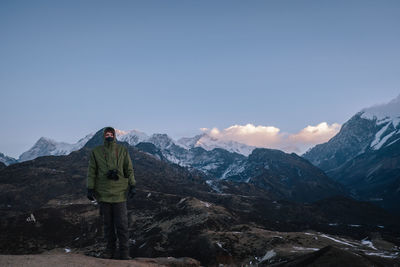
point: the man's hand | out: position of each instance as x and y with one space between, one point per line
90 194
132 191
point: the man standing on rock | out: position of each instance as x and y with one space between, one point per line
110 179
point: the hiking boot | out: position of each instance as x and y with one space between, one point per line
109 254
124 255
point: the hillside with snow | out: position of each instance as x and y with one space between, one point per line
209 143
46 146
365 155
7 160
132 137
387 116
370 129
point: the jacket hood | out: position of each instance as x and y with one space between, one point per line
109 129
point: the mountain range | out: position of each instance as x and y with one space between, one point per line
47 146
362 158
258 207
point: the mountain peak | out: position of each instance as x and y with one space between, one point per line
132 137
161 140
120 132
45 146
46 140
383 112
190 142
209 142
372 128
6 159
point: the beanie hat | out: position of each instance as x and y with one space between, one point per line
109 129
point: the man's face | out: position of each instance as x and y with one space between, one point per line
109 134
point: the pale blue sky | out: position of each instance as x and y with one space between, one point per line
68 68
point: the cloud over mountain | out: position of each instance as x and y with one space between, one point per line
272 137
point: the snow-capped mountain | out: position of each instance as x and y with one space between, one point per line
216 158
209 143
280 174
162 141
190 142
388 116
46 146
218 163
132 137
174 151
370 129
7 160
365 155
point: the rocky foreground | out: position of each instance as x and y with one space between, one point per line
44 215
184 227
278 249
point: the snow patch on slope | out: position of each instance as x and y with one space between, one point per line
46 146
209 143
387 115
132 137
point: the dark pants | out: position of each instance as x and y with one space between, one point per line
115 220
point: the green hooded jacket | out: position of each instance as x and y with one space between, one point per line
106 157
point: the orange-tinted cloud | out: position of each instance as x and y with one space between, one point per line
272 137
